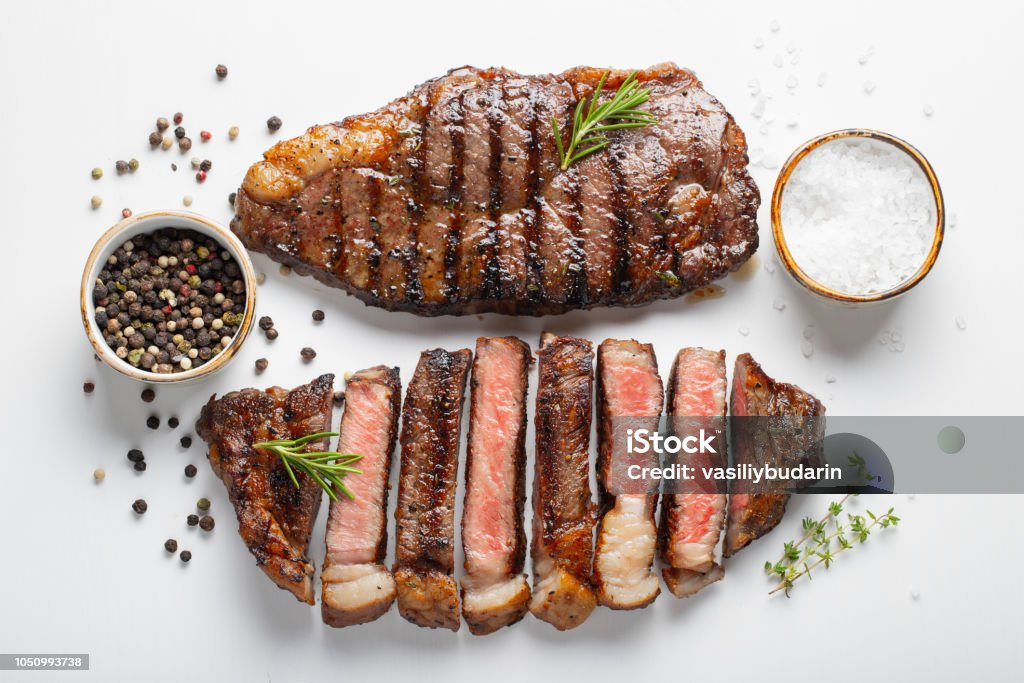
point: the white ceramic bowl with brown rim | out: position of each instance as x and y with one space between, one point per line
141 224
778 229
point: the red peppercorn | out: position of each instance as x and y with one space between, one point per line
178 118
205 135
218 286
190 269
185 291
167 309
126 213
201 177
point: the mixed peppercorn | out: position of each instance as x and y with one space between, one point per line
169 301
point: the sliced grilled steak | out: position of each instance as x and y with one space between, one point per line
494 590
357 587
450 199
275 519
630 396
563 512
425 544
773 423
692 520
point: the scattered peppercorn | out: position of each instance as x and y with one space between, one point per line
97 173
186 442
178 117
173 422
233 132
307 354
153 422
205 135
140 466
185 555
271 334
261 364
167 142
133 165
231 199
140 506
88 387
201 177
339 397
155 138
203 504
170 545
126 213
185 144
206 523
162 124
96 201
148 395
285 270
121 166
135 455
260 277
179 132
274 124
318 316
190 471
187 200
222 72
99 474
192 520
205 165
265 322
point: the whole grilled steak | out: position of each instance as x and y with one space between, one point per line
494 588
450 200
275 519
563 511
692 518
357 587
772 423
629 397
425 515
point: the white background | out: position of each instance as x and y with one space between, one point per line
81 85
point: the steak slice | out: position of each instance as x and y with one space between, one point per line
563 512
450 200
692 518
425 516
629 396
494 589
772 423
275 519
357 587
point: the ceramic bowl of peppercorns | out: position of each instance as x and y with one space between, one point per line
168 296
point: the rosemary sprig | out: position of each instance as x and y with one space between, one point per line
326 468
828 538
588 127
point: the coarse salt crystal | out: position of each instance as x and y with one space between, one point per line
858 215
777 62
807 348
865 56
758 43
792 82
928 110
744 331
830 379
869 87
961 322
809 331
821 78
775 26
779 304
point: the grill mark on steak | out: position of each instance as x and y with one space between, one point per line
467 256
494 589
629 396
374 257
563 512
424 548
357 587
275 519
782 442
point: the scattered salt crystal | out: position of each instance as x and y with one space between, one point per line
791 48
858 215
758 110
910 496
885 337
792 122
896 336
897 347
756 154
865 56
830 379
792 82
771 160
758 43
779 304
763 130
807 348
821 78
775 26
928 110
754 86
777 62
869 87
915 594
769 267
961 322
953 221
744 331
809 331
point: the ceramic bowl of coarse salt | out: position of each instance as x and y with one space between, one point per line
858 216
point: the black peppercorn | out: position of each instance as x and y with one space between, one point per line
172 422
192 520
153 422
185 555
190 471
140 506
179 132
261 364
88 387
140 466
274 124
186 442
205 165
206 523
148 395
170 545
271 334
222 72
307 354
318 316
339 397
185 144
231 199
135 455
266 322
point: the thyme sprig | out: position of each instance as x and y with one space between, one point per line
826 538
326 468
589 125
